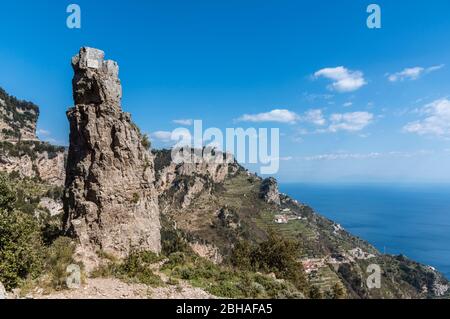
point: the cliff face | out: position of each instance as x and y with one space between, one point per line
110 201
17 118
269 191
21 152
45 165
178 185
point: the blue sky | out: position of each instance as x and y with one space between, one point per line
355 105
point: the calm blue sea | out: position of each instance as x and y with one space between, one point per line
411 220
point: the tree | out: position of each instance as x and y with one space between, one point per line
21 249
338 291
241 256
315 293
7 197
277 254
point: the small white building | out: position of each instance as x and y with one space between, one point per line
281 219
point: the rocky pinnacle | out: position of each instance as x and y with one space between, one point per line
110 201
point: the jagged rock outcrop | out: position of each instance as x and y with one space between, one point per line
269 191
110 201
52 206
167 171
179 184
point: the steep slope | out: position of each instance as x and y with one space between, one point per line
21 152
242 206
17 118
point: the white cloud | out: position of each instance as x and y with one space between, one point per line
281 159
43 133
344 80
315 117
187 122
180 135
163 136
362 156
341 156
277 115
350 122
348 104
412 73
435 68
436 120
311 97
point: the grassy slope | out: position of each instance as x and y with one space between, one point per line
239 193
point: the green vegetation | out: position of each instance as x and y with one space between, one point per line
226 281
135 198
11 133
59 255
21 248
276 254
238 280
137 267
20 242
31 249
19 119
172 240
163 158
30 148
145 141
338 291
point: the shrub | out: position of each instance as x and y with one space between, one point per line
59 256
225 281
276 254
338 291
146 142
137 267
315 293
7 198
172 240
21 248
135 198
242 256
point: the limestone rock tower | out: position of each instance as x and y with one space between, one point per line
110 201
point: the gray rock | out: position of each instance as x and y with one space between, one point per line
269 191
178 185
3 294
110 201
96 81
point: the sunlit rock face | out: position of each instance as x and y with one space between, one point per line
110 201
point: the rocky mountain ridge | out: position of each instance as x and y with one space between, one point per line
121 197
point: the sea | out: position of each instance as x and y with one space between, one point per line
413 220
